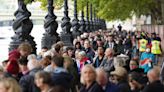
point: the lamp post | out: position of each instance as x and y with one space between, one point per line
50 25
91 20
87 19
94 20
22 27
82 22
75 22
66 35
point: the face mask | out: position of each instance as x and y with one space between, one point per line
134 67
147 50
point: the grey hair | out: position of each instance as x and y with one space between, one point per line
31 56
48 53
82 53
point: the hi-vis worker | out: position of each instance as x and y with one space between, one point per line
142 45
155 49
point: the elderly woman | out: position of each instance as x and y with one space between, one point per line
88 79
83 59
120 79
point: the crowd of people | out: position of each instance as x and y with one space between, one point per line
101 61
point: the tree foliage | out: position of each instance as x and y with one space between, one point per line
114 9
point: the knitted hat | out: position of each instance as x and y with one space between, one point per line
119 71
13 67
14 55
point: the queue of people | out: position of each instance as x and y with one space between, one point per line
101 61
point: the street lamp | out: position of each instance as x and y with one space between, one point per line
66 35
22 27
50 25
91 20
82 22
75 22
87 19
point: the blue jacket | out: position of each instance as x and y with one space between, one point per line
145 55
110 87
62 78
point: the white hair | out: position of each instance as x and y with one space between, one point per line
82 53
31 56
32 62
48 53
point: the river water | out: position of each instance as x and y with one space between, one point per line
5 38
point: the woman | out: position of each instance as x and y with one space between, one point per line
119 77
88 79
78 46
83 59
9 85
43 81
133 64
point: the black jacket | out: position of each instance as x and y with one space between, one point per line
27 82
154 87
93 88
123 86
62 79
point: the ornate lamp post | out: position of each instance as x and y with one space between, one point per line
22 27
94 20
91 21
66 35
50 25
87 19
82 23
75 22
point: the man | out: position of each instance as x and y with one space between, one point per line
60 75
107 63
23 66
154 81
99 58
110 42
27 81
119 27
103 81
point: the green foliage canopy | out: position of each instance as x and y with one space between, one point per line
112 9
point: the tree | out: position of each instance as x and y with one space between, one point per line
117 9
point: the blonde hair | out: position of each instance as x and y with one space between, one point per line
88 66
25 47
10 84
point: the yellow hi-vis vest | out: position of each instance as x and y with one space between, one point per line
142 46
155 49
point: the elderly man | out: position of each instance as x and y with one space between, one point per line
154 81
107 63
103 81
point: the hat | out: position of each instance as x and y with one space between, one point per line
14 55
119 71
13 67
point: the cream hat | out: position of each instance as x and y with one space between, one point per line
119 71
